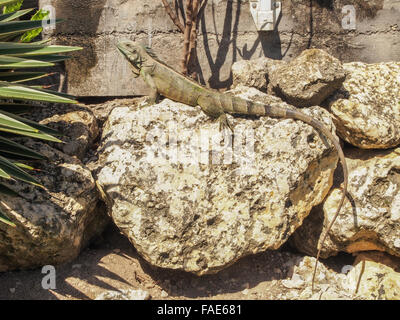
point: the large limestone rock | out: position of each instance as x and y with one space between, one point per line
251 93
308 79
254 73
367 108
52 225
370 217
186 202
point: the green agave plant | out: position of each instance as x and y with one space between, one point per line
18 55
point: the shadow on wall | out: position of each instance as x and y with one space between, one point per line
320 21
270 43
85 20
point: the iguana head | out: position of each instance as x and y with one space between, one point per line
134 52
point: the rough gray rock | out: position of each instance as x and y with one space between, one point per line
187 207
77 123
254 73
81 130
308 79
367 108
370 216
53 225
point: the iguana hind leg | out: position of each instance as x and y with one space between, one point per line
224 123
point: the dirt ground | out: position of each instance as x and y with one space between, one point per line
111 263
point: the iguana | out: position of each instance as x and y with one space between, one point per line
165 81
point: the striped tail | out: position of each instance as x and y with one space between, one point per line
325 131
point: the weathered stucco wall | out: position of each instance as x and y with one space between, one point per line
227 34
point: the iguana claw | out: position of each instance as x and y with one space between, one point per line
224 123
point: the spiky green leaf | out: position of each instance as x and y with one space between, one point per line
18 27
20 92
4 174
9 62
9 122
25 166
17 173
7 2
61 94
18 77
6 220
33 49
16 149
33 124
37 135
50 58
13 15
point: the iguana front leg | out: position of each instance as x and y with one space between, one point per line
154 96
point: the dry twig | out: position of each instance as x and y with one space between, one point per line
192 12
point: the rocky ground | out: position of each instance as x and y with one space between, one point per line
111 263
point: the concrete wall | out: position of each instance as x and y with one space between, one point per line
227 34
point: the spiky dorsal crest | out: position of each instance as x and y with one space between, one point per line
151 53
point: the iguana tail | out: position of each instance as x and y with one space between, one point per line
325 131
240 106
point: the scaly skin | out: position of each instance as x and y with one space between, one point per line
165 81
